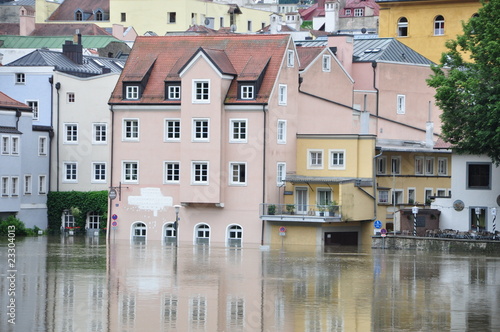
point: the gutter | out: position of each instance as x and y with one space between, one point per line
375 184
58 86
110 205
264 117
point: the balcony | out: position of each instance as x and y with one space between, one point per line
300 213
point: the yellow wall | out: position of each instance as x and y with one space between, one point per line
420 16
294 235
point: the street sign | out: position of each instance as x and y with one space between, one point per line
114 217
112 194
282 229
377 224
383 232
114 223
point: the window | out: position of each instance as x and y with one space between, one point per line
478 175
383 196
238 131
247 92
5 186
5 144
78 15
15 145
70 172
172 172
123 17
68 219
442 166
235 315
401 104
439 26
172 130
100 133
347 12
281 174
327 63
42 184
358 12
324 197
201 91
202 233
27 185
411 196
427 195
396 165
397 196
174 92
282 94
132 92
403 27
200 130
172 17
20 78
249 26
199 172
281 132
441 192
70 133
170 231
221 22
130 171
419 165
337 159
381 165
429 166
238 173
34 108
235 233
42 146
131 129
71 97
99 16
15 186
94 219
139 230
98 172
315 159
290 58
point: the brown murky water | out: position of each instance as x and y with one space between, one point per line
78 284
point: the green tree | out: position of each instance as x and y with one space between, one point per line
467 84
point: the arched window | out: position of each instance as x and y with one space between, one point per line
202 234
139 230
234 236
439 26
68 220
78 15
98 15
170 233
93 220
403 27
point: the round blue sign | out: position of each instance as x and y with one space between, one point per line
377 224
114 217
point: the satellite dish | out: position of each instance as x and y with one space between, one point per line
233 28
207 21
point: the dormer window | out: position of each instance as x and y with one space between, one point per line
247 92
78 15
132 92
290 58
173 91
99 15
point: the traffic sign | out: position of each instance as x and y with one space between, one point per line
377 224
282 229
114 217
383 232
114 223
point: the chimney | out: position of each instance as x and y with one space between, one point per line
26 21
74 52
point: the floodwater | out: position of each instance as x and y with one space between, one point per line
77 283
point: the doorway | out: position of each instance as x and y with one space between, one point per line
341 238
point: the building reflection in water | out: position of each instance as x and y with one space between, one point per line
80 284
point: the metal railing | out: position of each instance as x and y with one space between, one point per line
322 211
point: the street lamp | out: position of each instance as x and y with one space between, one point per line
176 224
478 213
414 210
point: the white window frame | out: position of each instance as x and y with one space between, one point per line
429 166
326 192
20 78
172 135
326 63
194 130
132 92
42 184
97 173
5 144
34 108
382 165
403 27
397 193
312 156
5 186
412 194
427 193
174 92
174 173
99 133
358 12
442 166
419 165
281 132
205 229
348 12
396 165
280 173
282 94
383 199
71 166
247 92
202 97
15 145
334 160
128 175
237 130
235 172
42 146
130 135
70 138
438 25
290 58
206 172
401 104
14 186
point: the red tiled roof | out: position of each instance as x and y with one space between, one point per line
68 29
9 29
66 10
351 4
307 55
441 144
166 55
7 102
313 11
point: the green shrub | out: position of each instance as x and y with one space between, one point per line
20 229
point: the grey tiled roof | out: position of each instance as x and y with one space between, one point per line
9 130
386 49
91 65
19 3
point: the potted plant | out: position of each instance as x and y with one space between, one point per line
333 208
271 209
290 208
321 210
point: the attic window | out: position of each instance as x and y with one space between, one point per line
132 92
99 15
173 91
358 12
247 92
78 15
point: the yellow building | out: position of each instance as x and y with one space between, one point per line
425 25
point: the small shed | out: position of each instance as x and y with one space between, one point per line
425 219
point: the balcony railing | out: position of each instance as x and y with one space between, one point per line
301 212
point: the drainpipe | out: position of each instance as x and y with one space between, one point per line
263 168
110 204
51 131
375 184
374 66
58 86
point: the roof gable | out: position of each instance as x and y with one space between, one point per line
218 58
66 11
7 102
388 50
